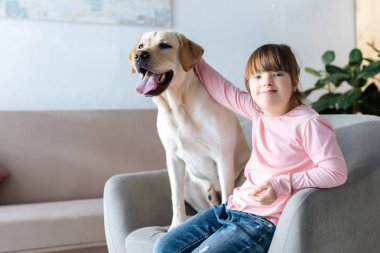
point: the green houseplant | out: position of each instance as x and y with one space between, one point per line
363 96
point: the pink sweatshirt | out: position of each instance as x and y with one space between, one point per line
296 150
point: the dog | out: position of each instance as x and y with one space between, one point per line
205 147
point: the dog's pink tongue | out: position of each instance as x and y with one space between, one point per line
148 83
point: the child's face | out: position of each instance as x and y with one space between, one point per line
272 91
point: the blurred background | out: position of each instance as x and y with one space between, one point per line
59 65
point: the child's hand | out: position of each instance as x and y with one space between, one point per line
264 193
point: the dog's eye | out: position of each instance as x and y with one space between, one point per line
164 46
140 46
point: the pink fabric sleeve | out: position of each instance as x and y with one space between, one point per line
330 168
222 91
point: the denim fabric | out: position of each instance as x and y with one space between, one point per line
219 230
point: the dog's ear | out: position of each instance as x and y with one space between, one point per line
190 52
132 57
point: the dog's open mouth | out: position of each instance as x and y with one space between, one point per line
153 84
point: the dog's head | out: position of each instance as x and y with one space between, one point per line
161 57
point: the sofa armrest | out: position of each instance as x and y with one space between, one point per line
132 201
341 219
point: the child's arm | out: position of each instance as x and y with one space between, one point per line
320 143
221 90
264 193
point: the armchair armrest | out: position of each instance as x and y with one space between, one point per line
132 201
342 219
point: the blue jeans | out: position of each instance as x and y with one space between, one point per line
219 230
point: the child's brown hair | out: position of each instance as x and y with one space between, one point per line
274 57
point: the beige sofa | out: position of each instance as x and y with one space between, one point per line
59 162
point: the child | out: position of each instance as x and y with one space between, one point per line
293 148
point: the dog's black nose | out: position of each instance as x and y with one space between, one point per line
143 55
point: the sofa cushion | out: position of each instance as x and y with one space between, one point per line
50 154
143 239
52 226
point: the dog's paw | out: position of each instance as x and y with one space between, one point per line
173 226
176 222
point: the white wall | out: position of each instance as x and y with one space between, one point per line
50 65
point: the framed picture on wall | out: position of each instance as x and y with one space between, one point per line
156 13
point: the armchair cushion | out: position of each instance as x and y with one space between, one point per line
143 239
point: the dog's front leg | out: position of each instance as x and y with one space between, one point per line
176 170
226 176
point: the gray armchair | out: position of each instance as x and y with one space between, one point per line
345 219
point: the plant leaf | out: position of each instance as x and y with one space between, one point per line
334 78
308 91
348 98
356 57
361 82
332 69
370 71
326 101
337 84
319 84
313 72
328 57
330 111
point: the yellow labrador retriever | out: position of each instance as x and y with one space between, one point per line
205 147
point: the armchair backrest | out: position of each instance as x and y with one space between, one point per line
359 138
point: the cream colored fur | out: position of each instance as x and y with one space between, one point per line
205 147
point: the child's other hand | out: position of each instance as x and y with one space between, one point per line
264 193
